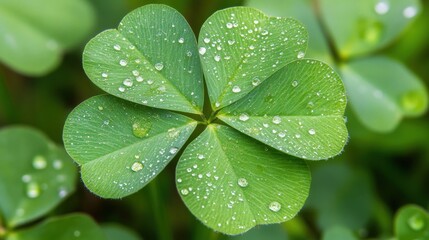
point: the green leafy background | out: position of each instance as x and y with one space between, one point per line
387 170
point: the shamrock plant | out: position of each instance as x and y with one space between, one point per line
265 111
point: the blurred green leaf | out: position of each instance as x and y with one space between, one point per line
341 196
338 233
33 34
302 10
73 226
118 232
361 27
232 182
298 110
35 175
383 91
152 59
120 145
272 232
241 47
412 223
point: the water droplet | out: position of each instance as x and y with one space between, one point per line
150 81
179 180
251 47
275 206
312 131
277 120
33 190
123 63
416 222
184 192
76 233
217 104
139 79
121 89
217 58
117 47
264 32
244 117
382 7
26 178
173 150
256 81
231 42
58 164
136 73
62 193
140 129
295 83
137 166
206 40
39 162
105 75
181 40
255 21
300 55
200 156
159 66
282 134
410 12
236 89
229 25
128 82
242 182
298 135
202 50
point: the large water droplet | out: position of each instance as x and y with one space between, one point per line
117 47
137 166
202 50
140 129
39 162
184 192
256 81
275 206
410 12
217 58
416 222
382 7
33 190
159 66
242 182
300 55
277 120
128 82
229 25
181 40
236 89
244 117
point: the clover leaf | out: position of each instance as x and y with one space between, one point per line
262 97
412 222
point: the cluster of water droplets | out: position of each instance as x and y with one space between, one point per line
383 7
34 187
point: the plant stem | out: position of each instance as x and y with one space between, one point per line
2 230
163 231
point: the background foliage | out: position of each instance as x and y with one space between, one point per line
356 194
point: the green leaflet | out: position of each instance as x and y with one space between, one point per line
232 182
241 47
383 91
368 25
121 146
298 110
412 222
35 175
73 226
152 59
34 34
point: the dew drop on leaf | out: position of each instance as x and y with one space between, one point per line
275 206
206 40
121 89
33 190
173 150
217 58
410 12
139 79
184 192
58 164
200 156
256 81
236 89
105 75
150 81
117 47
382 7
39 162
159 66
26 178
243 117
136 73
300 55
128 82
312 131
181 40
277 120
123 63
229 25
295 83
137 166
140 129
202 50
242 182
298 135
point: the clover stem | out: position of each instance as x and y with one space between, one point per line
2 229
163 231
